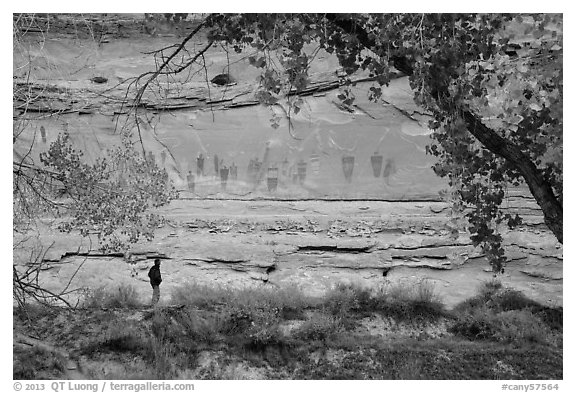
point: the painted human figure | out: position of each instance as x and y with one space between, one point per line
43 134
200 165
190 179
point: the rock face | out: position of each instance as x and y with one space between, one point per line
322 151
312 245
214 239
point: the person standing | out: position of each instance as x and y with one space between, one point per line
155 280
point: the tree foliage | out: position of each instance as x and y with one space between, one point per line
111 197
493 84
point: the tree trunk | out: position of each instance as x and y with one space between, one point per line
539 187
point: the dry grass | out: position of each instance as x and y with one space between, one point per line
497 334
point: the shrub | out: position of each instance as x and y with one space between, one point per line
400 301
289 300
200 327
37 363
318 327
248 316
237 320
488 288
124 296
492 295
514 326
422 292
478 324
163 326
344 297
508 299
410 302
260 337
123 337
241 318
201 296
553 317
33 312
161 356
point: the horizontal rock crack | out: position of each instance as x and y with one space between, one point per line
337 249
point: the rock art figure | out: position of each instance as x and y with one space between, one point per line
200 165
376 161
301 168
223 177
255 171
285 167
233 172
315 164
216 164
272 179
389 170
43 134
190 179
348 167
251 169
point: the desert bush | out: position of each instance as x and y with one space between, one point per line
514 326
164 327
319 327
345 297
123 337
200 327
236 320
422 291
400 301
31 312
262 336
409 302
124 296
518 325
246 316
508 300
160 354
289 300
255 327
237 323
37 363
201 296
479 323
240 318
484 293
553 317
492 295
489 287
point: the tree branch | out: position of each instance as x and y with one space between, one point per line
490 139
